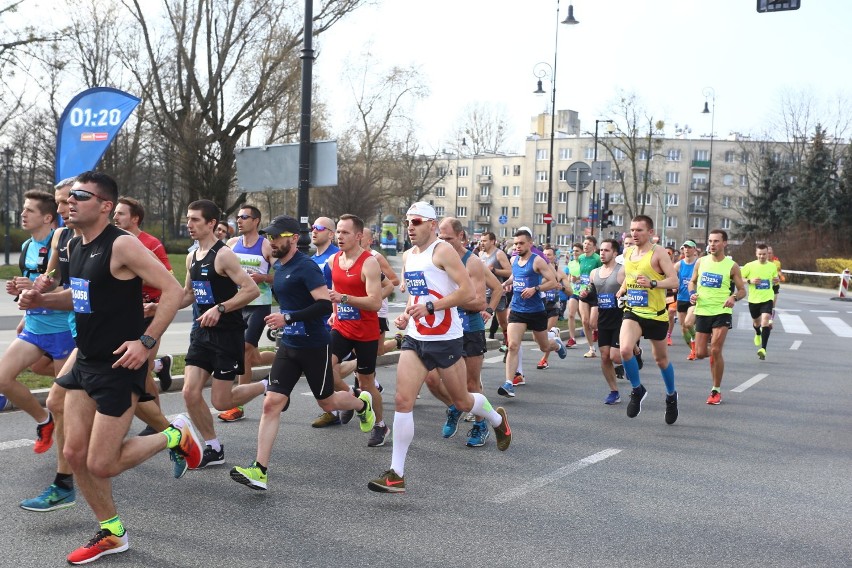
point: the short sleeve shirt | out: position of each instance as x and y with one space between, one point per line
293 284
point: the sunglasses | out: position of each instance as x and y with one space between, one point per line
83 195
244 217
319 228
272 237
416 222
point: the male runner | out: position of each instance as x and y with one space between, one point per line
107 268
255 257
303 346
776 288
531 275
497 262
572 270
685 309
589 260
710 289
357 293
648 271
761 275
437 284
385 346
604 282
221 288
551 299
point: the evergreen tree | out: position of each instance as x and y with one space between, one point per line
813 198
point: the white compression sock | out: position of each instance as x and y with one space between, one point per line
403 434
481 407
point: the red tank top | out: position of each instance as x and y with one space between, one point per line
352 322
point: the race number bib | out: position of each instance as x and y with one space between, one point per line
347 312
762 285
464 321
637 298
80 296
550 296
518 284
584 279
606 301
711 280
415 283
296 328
203 292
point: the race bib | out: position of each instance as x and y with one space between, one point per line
518 284
637 298
80 296
762 285
606 301
584 279
203 292
550 296
464 321
711 280
347 312
415 283
295 328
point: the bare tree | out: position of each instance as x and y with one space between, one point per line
484 126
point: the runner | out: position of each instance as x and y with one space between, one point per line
589 260
761 276
304 346
572 270
437 284
385 346
714 301
531 276
255 256
776 288
107 268
685 309
671 300
648 271
604 282
551 299
497 262
218 284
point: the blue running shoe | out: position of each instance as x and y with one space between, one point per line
477 435
507 390
613 398
180 465
52 499
452 424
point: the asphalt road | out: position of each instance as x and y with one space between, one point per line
761 480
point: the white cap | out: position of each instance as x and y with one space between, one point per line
527 229
422 209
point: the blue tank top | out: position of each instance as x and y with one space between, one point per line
41 321
471 321
684 275
525 277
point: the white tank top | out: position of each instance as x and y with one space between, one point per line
426 282
383 311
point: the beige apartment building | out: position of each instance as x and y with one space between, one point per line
500 193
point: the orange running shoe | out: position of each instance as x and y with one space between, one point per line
104 542
44 435
232 415
714 398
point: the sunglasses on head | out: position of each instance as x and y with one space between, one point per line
272 237
244 217
416 222
83 195
319 228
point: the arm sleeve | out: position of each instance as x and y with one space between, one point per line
319 309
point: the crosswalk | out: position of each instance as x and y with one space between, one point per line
793 321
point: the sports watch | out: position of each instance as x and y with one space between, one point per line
220 308
148 341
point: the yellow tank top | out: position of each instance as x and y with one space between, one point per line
648 303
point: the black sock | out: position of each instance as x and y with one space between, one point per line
764 336
756 329
365 407
64 480
261 467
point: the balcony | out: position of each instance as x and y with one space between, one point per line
698 209
698 186
483 219
484 178
701 164
485 198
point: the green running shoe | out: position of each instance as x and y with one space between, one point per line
367 417
251 476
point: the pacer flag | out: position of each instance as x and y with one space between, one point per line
87 128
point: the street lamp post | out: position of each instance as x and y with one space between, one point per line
594 199
709 92
8 154
455 212
303 199
541 73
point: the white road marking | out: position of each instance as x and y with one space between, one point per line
15 444
543 480
824 312
796 345
784 310
837 326
793 324
750 383
499 358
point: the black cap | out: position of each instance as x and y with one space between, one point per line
281 224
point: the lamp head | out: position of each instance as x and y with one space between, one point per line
539 90
706 108
570 18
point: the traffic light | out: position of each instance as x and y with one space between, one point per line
606 213
777 5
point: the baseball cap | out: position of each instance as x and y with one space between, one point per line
526 229
688 243
281 225
422 209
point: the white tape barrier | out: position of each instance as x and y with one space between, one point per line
813 273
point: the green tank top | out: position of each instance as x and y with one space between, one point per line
648 303
714 286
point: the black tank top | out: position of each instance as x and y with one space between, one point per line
212 288
107 309
64 255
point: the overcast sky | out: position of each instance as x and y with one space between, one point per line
667 51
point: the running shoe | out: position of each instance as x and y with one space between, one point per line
251 476
619 372
478 434
165 374
757 340
507 390
503 432
761 353
212 457
715 397
345 416
451 426
470 417
637 395
669 339
52 499
504 348
560 347
190 442
367 417
232 415
326 419
103 543
388 482
691 356
542 365
671 408
44 435
590 354
639 359
613 398
179 465
518 380
571 343
377 438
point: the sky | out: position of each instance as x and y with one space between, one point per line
666 51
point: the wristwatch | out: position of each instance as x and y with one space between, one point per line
287 318
653 283
430 307
538 288
148 341
220 308
344 298
489 310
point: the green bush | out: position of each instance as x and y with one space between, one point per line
833 265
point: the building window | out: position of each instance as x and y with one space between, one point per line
485 190
442 171
504 232
461 211
643 154
725 224
516 170
741 202
643 199
726 202
696 222
728 179
541 154
618 220
563 175
439 210
743 181
563 197
440 191
462 171
616 198
565 153
516 212
673 155
590 154
484 210
618 154
538 218
541 197
702 155
745 157
486 170
698 201
541 175
461 192
730 155
506 170
562 218
516 191
671 222
504 191
563 240
504 211
673 200
672 177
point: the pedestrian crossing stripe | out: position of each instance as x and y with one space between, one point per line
790 323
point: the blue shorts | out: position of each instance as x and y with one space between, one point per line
57 346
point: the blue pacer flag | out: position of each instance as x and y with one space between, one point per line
87 128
